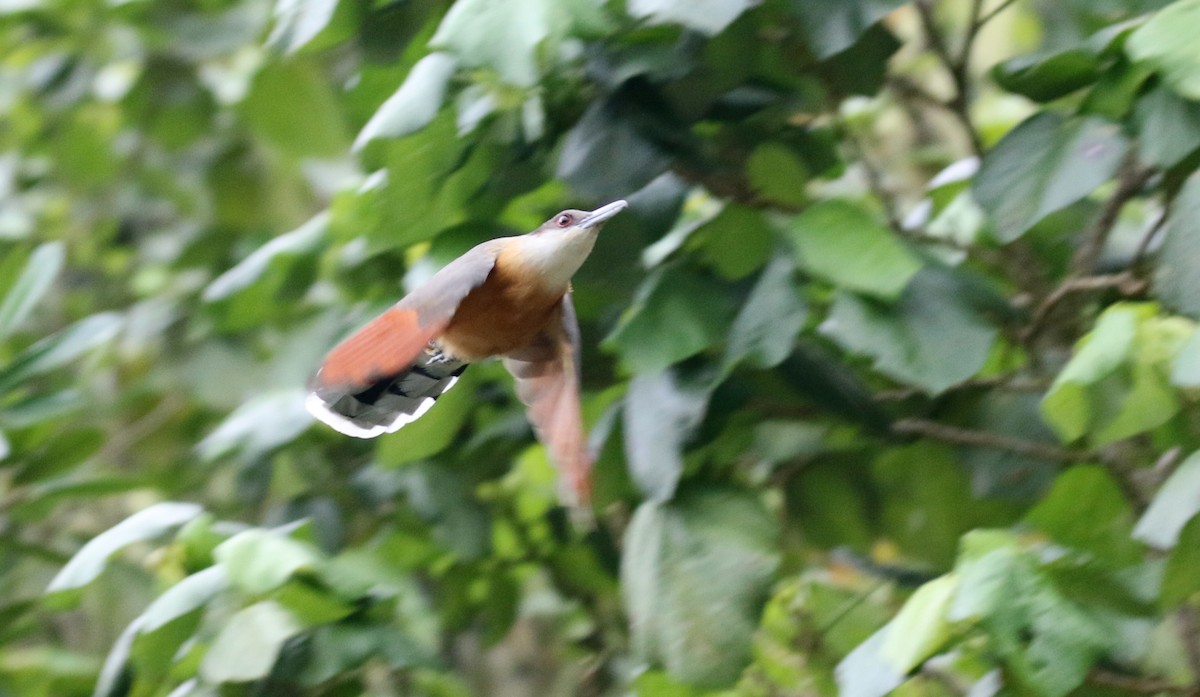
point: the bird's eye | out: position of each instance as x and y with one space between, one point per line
564 220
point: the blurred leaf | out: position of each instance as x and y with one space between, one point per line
257 561
415 104
147 524
1086 510
300 241
694 574
841 243
298 22
865 672
1167 43
61 348
1042 166
735 243
921 627
1168 127
832 26
21 294
931 339
1176 502
777 174
1046 78
1177 279
1181 578
676 314
311 606
705 16
1067 407
264 422
765 330
605 157
247 645
499 34
436 430
291 107
661 413
188 595
1185 372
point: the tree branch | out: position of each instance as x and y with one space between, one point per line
1126 282
1130 181
988 439
958 66
995 11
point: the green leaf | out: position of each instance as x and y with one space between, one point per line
765 330
1181 578
921 626
1046 78
661 413
705 16
832 26
1176 502
864 672
843 244
1067 407
676 314
42 267
186 596
1185 372
414 105
1168 127
1086 510
258 561
694 575
1044 165
57 350
930 339
148 524
1177 279
300 241
292 106
499 34
263 423
311 606
604 156
298 22
246 647
1168 43
736 243
777 174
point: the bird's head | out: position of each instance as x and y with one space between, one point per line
557 248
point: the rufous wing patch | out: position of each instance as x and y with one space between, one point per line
386 346
548 383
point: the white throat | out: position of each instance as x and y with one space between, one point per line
555 256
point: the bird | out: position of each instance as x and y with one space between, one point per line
508 297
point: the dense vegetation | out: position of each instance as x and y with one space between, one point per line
891 365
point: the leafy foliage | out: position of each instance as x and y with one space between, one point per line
890 367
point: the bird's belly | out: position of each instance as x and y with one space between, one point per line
498 317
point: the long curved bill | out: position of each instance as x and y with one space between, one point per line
602 214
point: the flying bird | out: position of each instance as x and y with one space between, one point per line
507 297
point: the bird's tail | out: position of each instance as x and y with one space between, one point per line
390 402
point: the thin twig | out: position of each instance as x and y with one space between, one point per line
958 66
1003 382
995 11
1148 239
988 439
1126 282
1130 181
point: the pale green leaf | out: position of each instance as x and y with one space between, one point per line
661 413
1168 43
414 105
499 34
705 16
257 561
295 243
921 627
42 267
1176 502
1177 278
246 647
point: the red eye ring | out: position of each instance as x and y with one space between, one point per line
564 220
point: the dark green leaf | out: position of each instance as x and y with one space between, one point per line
930 339
1044 79
1044 165
778 174
677 313
605 157
843 244
694 573
1168 127
1181 578
832 26
766 328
